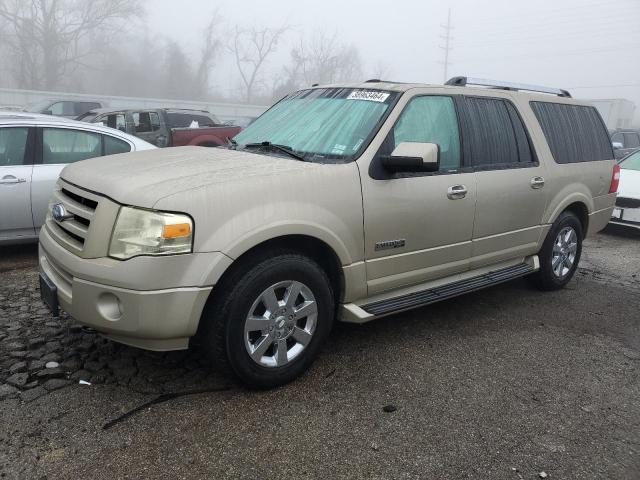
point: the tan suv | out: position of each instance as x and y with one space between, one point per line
350 202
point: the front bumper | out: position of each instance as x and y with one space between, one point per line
148 302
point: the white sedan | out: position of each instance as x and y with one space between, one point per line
33 151
627 211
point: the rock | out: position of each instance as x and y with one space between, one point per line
18 379
31 395
18 367
52 365
7 391
18 354
71 364
51 357
14 346
543 475
36 342
389 408
36 365
125 373
55 384
50 373
98 379
93 365
32 384
80 375
52 346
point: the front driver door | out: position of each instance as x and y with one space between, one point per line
16 153
416 228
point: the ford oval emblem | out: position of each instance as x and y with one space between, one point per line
59 213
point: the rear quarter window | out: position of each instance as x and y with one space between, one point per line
575 133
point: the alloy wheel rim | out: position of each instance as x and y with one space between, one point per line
280 324
564 252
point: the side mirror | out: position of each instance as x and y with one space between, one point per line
617 146
413 157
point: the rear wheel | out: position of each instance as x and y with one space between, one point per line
560 253
271 324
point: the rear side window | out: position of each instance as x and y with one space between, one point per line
114 145
13 146
494 133
146 122
575 133
67 146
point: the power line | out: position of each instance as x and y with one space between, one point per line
608 86
447 44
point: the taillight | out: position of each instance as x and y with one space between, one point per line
615 179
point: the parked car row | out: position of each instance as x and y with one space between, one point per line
166 127
33 151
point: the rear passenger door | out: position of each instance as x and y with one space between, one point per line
148 127
16 154
510 182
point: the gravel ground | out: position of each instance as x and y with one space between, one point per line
508 383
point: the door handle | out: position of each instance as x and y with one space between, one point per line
456 192
537 182
10 179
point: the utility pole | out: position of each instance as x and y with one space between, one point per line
447 45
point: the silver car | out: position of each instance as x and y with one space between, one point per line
33 151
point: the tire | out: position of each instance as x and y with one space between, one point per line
560 253
267 344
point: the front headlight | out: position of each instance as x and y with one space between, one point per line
147 232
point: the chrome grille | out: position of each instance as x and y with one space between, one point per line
81 206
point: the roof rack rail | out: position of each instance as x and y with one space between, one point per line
483 82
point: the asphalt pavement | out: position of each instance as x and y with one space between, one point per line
506 383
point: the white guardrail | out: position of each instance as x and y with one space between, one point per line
224 111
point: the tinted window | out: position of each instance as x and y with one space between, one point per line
68 146
13 145
575 133
184 120
115 120
146 122
494 133
631 140
114 145
431 119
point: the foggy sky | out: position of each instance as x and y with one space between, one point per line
589 47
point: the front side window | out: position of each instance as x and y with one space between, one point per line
115 120
61 146
114 145
632 162
431 119
13 146
323 124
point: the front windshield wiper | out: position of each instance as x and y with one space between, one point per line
275 147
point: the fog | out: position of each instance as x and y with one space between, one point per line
588 47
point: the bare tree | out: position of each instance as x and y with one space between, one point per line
323 59
251 48
208 54
51 38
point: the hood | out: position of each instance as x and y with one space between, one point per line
142 178
629 184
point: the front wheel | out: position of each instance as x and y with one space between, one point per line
560 253
273 320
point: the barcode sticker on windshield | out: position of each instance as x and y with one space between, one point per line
369 95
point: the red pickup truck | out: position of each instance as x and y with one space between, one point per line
167 127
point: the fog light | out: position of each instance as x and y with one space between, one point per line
110 307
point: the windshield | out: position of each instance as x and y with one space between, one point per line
322 124
632 162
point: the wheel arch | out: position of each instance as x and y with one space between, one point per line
579 204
